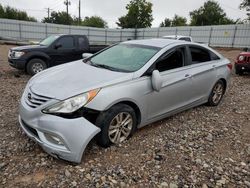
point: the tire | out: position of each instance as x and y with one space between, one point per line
238 72
35 65
217 93
109 120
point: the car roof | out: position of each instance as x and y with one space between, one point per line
176 36
155 42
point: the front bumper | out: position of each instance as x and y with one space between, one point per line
17 63
74 134
242 66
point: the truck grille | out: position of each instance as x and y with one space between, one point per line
34 100
247 59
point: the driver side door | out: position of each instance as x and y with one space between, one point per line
64 50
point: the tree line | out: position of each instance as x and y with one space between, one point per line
139 15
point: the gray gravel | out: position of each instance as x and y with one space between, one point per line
202 147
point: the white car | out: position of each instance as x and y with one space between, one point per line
179 37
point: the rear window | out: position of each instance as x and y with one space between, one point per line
199 55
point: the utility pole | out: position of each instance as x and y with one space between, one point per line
67 3
48 11
79 18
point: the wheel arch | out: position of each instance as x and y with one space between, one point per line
133 105
41 56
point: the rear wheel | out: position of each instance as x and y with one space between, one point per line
216 93
35 66
117 124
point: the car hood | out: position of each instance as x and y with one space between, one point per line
29 47
245 53
64 81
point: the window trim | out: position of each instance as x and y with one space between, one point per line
202 48
150 70
74 43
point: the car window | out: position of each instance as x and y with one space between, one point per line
171 61
199 55
49 40
185 39
125 57
82 42
214 56
66 42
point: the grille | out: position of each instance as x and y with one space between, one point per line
248 59
34 100
30 129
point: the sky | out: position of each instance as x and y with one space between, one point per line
111 10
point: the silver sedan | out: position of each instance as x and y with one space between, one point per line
112 93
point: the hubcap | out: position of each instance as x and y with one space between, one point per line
217 93
37 67
120 127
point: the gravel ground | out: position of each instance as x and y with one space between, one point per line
201 147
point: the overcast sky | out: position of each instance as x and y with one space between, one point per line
110 10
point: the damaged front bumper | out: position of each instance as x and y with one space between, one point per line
60 137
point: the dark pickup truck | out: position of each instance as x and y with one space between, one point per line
52 51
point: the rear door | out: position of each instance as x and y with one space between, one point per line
64 50
203 63
176 90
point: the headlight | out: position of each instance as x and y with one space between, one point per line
17 54
72 104
241 58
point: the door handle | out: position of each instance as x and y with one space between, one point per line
214 66
187 75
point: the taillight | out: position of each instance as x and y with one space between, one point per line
230 66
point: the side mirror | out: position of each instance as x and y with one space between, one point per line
58 45
86 55
156 80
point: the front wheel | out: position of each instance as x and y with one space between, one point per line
216 93
117 124
35 66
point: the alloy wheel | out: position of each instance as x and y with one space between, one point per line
217 93
120 127
37 67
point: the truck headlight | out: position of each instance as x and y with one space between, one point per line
72 104
17 54
241 58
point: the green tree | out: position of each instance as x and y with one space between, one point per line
166 23
59 18
246 5
179 21
94 21
139 15
176 21
12 13
210 14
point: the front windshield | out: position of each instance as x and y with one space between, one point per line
49 40
125 57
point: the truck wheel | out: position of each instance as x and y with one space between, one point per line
117 124
35 66
216 94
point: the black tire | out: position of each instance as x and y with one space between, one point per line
104 122
211 99
35 65
238 72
